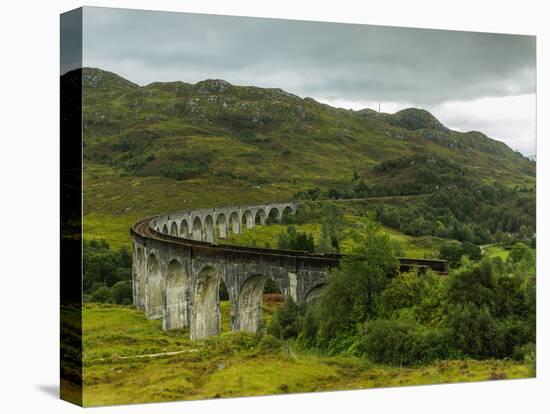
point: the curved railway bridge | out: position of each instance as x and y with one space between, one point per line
178 266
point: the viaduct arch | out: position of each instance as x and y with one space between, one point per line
178 266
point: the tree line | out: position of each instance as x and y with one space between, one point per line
485 308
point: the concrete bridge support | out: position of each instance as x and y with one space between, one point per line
153 289
180 285
179 282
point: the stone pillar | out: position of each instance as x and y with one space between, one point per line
250 224
293 286
223 229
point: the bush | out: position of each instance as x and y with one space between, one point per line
474 331
529 356
294 240
103 266
520 251
452 252
102 294
122 293
398 342
269 343
402 292
473 284
284 323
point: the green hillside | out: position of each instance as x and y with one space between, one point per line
175 145
433 192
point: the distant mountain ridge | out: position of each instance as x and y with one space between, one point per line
152 129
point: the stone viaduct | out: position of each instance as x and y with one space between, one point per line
178 267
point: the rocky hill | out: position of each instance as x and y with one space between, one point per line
214 129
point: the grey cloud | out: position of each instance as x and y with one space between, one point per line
326 61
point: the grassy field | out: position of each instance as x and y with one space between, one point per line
114 201
496 251
108 214
267 236
128 359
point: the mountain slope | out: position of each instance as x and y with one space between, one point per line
175 145
212 128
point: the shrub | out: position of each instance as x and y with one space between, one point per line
473 284
520 251
398 342
122 293
529 356
294 240
102 294
474 331
403 291
269 343
284 323
453 252
103 266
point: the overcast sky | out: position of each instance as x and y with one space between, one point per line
469 81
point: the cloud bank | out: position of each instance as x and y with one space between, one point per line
469 80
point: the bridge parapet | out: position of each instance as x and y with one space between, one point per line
211 224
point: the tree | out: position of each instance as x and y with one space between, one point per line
102 294
471 250
122 293
349 295
451 252
390 218
519 252
334 193
474 330
284 323
332 222
473 284
361 189
401 292
294 240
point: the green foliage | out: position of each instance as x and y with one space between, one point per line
474 330
397 342
483 309
107 273
122 293
473 284
270 286
453 252
294 240
102 294
466 210
390 218
351 291
520 251
269 343
529 356
284 323
103 265
403 291
332 223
